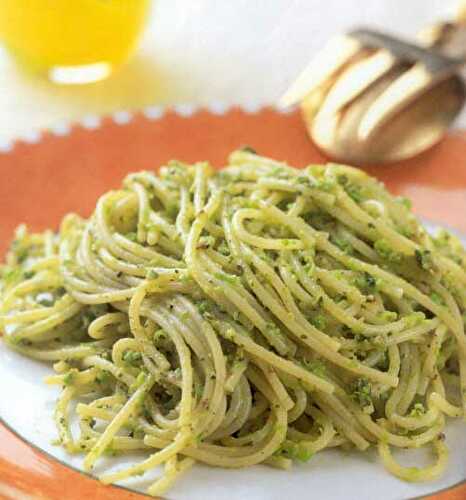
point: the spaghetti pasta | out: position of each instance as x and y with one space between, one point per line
257 314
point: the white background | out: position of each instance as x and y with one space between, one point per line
202 50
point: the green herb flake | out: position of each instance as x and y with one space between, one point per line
11 276
103 377
316 367
442 239
361 393
343 245
172 210
414 319
309 269
223 248
205 242
417 411
45 299
159 335
424 259
273 328
406 232
132 357
199 390
406 202
302 179
132 236
68 377
387 316
203 307
227 278
366 282
342 180
152 274
383 248
141 378
319 321
355 192
326 185
435 297
295 451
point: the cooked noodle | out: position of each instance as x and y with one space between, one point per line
257 314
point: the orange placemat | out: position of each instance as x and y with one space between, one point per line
41 182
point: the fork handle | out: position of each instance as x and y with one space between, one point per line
449 38
461 16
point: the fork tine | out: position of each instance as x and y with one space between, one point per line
356 79
461 16
338 51
406 88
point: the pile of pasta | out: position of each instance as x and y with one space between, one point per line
254 314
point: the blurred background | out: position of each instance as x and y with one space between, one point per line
199 51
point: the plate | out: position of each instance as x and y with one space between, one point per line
67 168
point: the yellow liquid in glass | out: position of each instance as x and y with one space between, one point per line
65 35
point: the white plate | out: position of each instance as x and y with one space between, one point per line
27 404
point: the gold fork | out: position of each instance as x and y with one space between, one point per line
369 97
